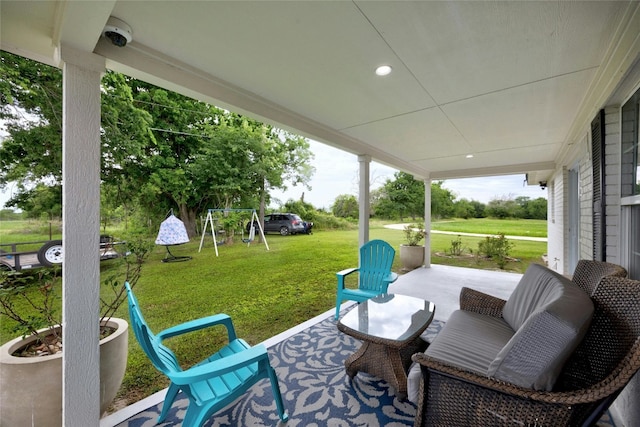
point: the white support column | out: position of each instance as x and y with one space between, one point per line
81 237
364 199
427 222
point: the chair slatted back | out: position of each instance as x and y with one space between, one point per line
610 350
162 357
376 258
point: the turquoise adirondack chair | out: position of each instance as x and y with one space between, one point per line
374 273
216 381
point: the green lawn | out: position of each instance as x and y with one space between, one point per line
265 292
519 227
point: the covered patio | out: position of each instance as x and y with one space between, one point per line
476 89
440 284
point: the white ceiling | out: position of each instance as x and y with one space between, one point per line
513 83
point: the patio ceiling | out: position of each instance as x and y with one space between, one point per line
512 83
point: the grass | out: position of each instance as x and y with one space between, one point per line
516 227
265 292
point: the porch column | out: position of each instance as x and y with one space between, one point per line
364 199
427 222
80 236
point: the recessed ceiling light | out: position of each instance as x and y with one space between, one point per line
383 70
469 156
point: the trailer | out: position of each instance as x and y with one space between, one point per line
16 256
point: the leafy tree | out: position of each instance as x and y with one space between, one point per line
466 209
532 209
478 209
441 201
31 109
502 208
406 194
160 149
346 206
463 209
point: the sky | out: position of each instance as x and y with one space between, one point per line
337 173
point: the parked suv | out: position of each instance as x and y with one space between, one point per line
283 223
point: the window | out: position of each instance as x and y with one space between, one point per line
630 164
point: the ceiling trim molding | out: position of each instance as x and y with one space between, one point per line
493 171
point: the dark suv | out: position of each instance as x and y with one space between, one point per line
283 223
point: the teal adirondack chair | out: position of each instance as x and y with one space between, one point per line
216 381
374 273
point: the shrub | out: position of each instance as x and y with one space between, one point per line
496 248
456 247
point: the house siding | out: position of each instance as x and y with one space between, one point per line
555 224
626 409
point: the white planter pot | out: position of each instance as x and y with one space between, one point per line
31 387
411 257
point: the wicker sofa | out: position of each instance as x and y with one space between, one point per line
573 389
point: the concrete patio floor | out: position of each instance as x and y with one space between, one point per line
439 284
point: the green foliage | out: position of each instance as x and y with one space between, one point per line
521 207
441 201
403 196
29 299
346 206
496 248
466 209
456 248
128 268
10 215
413 234
160 150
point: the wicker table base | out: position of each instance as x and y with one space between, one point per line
385 354
388 363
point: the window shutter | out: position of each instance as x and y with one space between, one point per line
597 159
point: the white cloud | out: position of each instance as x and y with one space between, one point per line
337 173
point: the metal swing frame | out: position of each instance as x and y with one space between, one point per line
209 220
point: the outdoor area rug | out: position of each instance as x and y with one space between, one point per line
315 388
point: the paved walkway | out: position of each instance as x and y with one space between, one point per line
533 239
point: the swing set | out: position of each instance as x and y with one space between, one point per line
252 230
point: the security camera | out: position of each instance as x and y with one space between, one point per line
118 32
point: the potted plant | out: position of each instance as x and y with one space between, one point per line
31 365
412 253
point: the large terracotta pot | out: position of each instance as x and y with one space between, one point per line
411 257
31 387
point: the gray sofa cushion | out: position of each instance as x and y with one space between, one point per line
537 287
470 341
558 314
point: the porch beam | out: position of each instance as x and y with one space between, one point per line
427 222
80 234
364 200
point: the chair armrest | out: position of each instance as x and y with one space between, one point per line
573 397
347 271
342 274
481 303
197 324
390 278
215 368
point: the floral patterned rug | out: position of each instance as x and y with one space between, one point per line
315 389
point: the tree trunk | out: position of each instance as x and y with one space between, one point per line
188 217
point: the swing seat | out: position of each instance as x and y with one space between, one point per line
252 234
172 232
